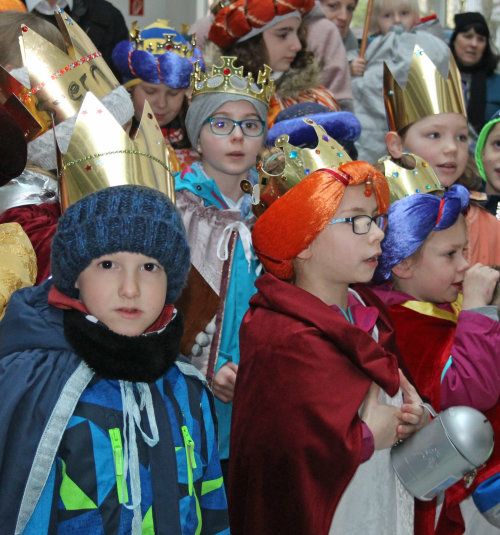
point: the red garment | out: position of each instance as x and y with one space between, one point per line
426 362
296 435
39 221
185 156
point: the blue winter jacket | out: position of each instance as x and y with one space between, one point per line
61 439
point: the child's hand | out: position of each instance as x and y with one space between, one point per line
382 419
223 383
413 415
358 66
479 286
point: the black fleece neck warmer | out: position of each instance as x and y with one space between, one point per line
142 358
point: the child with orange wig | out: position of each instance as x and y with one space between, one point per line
313 351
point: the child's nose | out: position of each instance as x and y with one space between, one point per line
342 15
237 132
296 45
463 264
162 101
129 286
450 144
375 233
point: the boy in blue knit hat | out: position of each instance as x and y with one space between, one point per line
104 430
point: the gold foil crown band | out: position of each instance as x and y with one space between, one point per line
101 154
406 181
169 43
227 78
426 92
298 163
58 80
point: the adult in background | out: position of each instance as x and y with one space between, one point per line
470 44
340 12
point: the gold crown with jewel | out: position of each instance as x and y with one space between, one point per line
227 78
404 181
298 163
58 80
426 92
101 154
167 44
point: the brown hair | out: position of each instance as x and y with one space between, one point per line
252 53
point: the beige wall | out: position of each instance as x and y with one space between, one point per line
178 12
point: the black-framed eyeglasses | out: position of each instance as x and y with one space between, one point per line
223 126
361 223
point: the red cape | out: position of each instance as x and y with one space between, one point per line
426 361
296 434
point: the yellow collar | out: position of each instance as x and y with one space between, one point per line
429 309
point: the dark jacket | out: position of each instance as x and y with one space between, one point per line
52 403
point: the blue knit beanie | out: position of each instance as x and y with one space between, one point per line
134 219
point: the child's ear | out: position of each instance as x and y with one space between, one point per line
394 144
306 253
403 270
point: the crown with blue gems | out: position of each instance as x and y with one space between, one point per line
427 92
227 78
298 163
58 80
404 181
101 154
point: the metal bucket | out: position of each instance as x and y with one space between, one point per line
454 443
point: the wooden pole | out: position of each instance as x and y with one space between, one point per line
366 29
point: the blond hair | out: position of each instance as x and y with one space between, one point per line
379 5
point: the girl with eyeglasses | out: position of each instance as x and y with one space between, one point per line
226 122
318 401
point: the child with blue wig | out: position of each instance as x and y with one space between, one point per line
446 326
156 65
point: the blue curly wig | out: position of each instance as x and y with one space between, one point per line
163 67
412 219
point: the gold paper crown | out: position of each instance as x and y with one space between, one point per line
426 92
298 163
58 80
101 154
404 182
160 46
227 78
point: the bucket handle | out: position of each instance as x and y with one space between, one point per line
428 406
